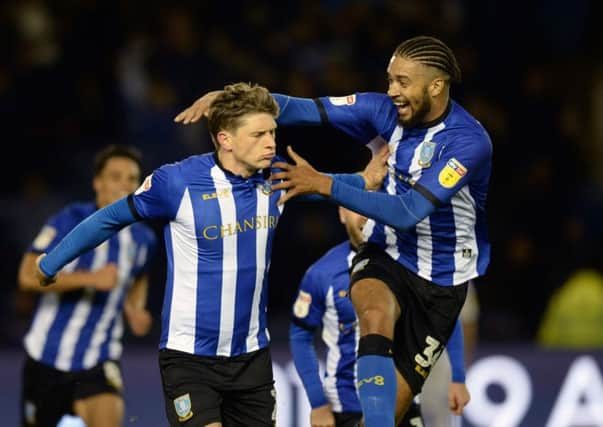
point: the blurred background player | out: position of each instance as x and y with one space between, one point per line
73 345
323 304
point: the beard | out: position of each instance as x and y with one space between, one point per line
419 112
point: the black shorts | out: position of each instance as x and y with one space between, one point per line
236 391
428 312
48 394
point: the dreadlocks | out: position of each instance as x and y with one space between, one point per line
431 52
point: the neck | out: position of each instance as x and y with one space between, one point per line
228 162
438 108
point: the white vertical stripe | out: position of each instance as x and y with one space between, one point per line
124 266
45 315
423 228
36 337
391 240
261 240
228 214
463 209
71 333
116 347
330 335
183 308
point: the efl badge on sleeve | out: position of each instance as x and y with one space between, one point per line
146 185
183 407
426 153
451 174
343 100
301 308
44 237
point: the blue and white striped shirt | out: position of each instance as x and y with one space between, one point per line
219 233
448 161
80 329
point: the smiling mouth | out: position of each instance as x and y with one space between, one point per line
403 107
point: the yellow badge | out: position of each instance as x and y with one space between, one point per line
452 173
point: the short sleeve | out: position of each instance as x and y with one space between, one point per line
156 197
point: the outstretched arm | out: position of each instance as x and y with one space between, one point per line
88 234
401 212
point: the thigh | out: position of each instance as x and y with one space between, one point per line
250 400
46 395
189 389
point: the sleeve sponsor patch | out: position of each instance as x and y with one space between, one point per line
301 308
452 173
46 235
146 185
343 100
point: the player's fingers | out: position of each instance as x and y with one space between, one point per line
284 185
281 165
296 157
384 151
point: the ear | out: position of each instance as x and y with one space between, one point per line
224 140
437 86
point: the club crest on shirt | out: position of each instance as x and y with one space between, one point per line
146 185
183 407
266 187
44 237
426 153
301 308
343 100
452 173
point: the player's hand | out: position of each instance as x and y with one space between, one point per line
375 171
322 417
139 320
458 397
43 278
299 178
105 278
198 109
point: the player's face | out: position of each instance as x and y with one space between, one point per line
120 177
408 87
353 222
253 144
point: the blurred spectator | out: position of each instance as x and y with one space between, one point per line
574 315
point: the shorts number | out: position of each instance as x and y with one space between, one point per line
430 353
